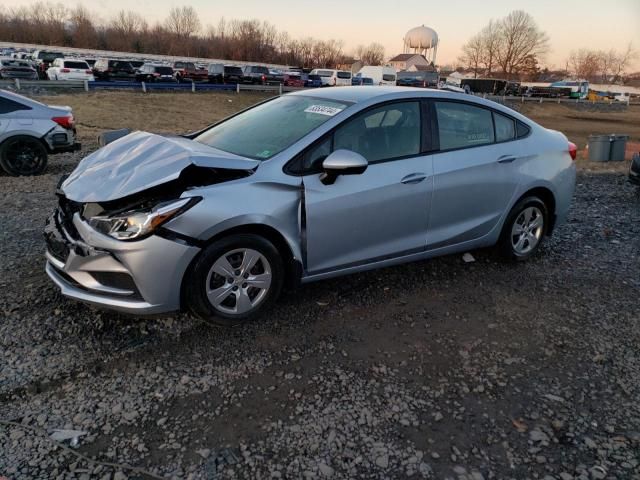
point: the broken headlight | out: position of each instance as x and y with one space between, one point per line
135 224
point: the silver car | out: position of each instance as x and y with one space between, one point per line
30 131
303 187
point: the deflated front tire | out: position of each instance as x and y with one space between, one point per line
234 279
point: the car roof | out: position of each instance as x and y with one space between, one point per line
358 94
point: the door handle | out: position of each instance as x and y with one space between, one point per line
506 159
414 178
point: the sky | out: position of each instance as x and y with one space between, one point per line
570 24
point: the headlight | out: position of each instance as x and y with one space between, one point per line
139 223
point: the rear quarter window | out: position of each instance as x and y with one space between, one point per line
505 127
8 106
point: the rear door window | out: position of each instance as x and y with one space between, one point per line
461 125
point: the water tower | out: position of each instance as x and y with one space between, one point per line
422 40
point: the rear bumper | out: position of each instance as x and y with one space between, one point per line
74 147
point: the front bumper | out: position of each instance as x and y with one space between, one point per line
138 277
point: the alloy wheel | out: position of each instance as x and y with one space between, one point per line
238 281
23 157
527 230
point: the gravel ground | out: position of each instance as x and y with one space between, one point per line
438 369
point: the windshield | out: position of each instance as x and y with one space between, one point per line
314 77
344 74
324 73
388 77
15 63
233 70
265 130
81 65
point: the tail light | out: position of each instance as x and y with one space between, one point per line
65 70
65 122
263 78
89 72
156 74
573 150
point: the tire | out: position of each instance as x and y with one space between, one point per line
233 251
522 235
23 156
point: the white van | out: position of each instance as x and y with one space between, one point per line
332 78
380 75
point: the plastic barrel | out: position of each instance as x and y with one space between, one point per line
600 147
618 147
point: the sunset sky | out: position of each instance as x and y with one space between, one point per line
570 24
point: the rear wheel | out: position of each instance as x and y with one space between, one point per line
524 230
22 155
234 280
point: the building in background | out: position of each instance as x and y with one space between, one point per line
406 61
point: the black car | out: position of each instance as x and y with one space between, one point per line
634 169
420 79
108 70
491 86
229 74
154 73
256 75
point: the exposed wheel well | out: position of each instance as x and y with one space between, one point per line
293 268
549 200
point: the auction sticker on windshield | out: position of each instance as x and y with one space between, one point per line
323 110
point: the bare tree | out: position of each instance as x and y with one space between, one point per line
520 39
472 54
586 64
83 32
490 38
183 22
372 54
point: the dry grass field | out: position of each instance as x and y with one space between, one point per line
182 112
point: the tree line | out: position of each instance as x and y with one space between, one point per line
514 47
180 34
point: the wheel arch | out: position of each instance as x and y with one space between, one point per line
292 266
25 133
548 198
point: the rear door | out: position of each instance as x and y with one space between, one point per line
381 213
474 169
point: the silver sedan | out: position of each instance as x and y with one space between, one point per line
300 188
30 131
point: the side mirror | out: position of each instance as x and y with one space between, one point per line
342 162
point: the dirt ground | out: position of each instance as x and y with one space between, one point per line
433 370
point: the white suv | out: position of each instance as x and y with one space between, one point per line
70 69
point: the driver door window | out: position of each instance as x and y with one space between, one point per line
385 133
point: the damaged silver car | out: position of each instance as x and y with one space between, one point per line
303 187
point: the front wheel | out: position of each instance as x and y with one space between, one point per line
234 280
524 230
23 155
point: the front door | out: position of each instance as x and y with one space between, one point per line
381 213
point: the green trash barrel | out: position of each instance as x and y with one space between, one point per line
600 148
618 147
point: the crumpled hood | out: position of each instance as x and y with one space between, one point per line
140 161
